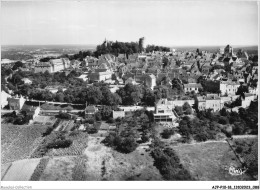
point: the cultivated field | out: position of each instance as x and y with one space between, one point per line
209 161
80 142
21 170
19 141
99 162
65 125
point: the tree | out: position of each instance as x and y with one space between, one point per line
127 145
242 90
238 128
179 110
98 116
187 108
223 120
223 112
59 97
188 111
165 62
176 84
109 98
130 94
106 112
148 97
17 65
94 95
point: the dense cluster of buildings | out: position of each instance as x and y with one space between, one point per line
160 68
53 65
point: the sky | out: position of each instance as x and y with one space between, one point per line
170 23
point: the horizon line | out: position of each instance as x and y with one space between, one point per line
243 45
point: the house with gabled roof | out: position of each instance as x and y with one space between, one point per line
228 87
192 87
90 111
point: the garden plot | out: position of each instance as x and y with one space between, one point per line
65 125
44 120
80 142
21 170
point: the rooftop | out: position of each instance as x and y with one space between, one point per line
192 85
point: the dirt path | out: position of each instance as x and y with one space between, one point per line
96 156
197 143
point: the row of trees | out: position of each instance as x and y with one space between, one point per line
151 48
42 80
168 162
15 119
80 95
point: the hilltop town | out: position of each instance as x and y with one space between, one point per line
127 111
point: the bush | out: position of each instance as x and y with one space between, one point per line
59 144
145 138
167 133
49 129
118 119
201 137
64 115
239 149
92 130
91 121
109 140
111 120
238 128
223 120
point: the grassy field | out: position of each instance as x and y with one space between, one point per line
4 169
209 161
103 163
19 141
59 169
21 170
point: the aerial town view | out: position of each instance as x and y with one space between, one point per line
138 102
